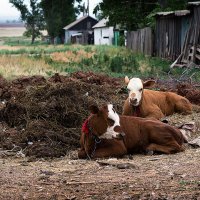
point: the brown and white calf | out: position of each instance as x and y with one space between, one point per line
104 129
152 104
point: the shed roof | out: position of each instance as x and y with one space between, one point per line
76 22
196 3
101 23
176 13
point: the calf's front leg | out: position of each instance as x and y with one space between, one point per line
110 148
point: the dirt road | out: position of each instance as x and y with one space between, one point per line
137 177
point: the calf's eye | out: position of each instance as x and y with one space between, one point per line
141 89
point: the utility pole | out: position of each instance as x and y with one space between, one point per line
88 6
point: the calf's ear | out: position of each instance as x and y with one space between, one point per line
149 83
94 109
126 80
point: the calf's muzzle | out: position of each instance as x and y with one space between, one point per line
120 134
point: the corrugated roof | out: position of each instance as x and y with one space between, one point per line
164 13
194 3
176 13
76 22
101 23
181 12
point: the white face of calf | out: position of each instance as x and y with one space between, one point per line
135 88
110 133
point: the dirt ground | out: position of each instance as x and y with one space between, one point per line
40 121
138 177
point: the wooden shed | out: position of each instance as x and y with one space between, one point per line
80 31
170 32
103 34
191 48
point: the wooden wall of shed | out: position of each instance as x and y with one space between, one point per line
83 39
141 41
168 36
191 48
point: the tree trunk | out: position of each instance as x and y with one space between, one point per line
33 36
33 39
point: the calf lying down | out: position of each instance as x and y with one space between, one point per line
106 134
152 104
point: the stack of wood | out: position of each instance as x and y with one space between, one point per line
190 55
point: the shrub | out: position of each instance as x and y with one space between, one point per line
116 64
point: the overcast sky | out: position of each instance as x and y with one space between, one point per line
7 11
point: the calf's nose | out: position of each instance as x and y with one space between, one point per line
133 100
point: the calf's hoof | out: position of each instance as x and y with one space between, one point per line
149 152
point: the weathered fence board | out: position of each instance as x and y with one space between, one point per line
168 34
141 41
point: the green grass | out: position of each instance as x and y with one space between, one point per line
45 49
21 41
111 60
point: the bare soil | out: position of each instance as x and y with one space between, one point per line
141 177
40 121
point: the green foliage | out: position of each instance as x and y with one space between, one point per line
57 15
87 61
134 14
116 64
161 6
33 17
121 40
129 14
169 5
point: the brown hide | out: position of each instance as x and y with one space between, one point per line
150 135
156 104
106 148
141 135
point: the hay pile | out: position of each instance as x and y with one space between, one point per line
42 117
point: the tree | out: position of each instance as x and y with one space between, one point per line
133 14
57 15
167 5
128 13
33 17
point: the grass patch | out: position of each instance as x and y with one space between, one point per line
37 49
114 61
15 66
22 41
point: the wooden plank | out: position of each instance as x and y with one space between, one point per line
197 56
140 41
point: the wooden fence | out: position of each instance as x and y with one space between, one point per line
141 41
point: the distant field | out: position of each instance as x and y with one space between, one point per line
11 31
